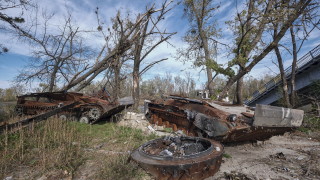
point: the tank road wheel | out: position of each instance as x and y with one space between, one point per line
84 119
63 117
73 118
18 110
94 113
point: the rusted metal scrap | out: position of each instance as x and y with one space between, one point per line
180 158
87 109
199 118
23 123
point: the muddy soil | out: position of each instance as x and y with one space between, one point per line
291 156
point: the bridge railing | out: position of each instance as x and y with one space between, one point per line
308 57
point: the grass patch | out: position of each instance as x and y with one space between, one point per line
310 123
119 167
62 146
228 156
6 111
111 133
52 144
168 130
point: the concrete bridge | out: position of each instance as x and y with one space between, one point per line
307 71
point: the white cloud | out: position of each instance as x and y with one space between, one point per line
224 7
5 84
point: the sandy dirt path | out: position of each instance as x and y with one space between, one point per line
291 156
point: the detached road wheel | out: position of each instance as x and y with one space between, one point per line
84 119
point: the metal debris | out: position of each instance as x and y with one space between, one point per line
67 105
180 157
199 118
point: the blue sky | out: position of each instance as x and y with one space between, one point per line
83 13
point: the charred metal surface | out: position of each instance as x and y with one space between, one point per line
180 158
198 118
75 106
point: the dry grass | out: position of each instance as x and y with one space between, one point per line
58 149
6 111
118 167
53 144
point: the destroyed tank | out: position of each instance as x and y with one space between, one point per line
86 109
226 123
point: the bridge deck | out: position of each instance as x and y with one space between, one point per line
310 58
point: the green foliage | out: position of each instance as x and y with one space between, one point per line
310 122
112 131
314 90
218 68
6 111
168 130
9 94
303 129
228 156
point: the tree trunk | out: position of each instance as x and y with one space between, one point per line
53 78
239 91
136 84
207 61
116 89
285 93
204 40
293 96
210 82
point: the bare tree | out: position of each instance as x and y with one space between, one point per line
6 5
149 38
128 32
58 56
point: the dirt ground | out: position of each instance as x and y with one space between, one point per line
291 156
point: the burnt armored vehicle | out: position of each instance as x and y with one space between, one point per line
226 123
86 109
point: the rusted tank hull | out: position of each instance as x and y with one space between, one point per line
198 118
198 166
89 109
254 133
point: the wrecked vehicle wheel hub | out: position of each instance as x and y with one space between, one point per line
180 157
94 113
84 119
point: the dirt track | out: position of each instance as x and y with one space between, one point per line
292 156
